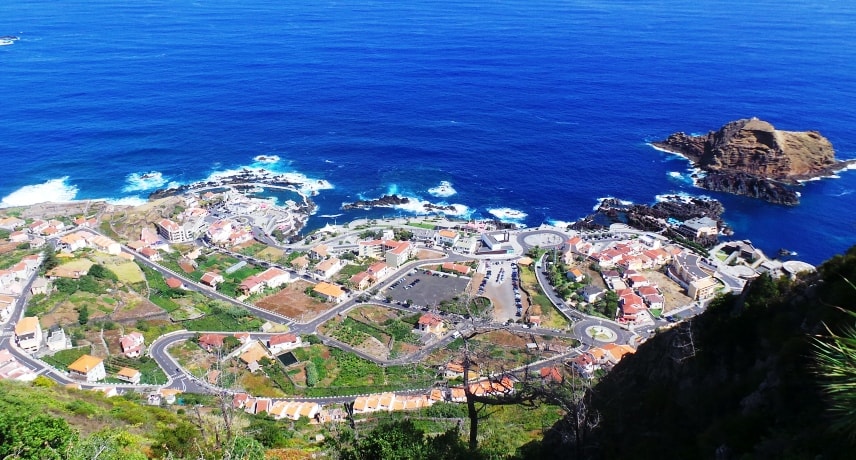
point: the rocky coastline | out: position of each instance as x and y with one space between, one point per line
750 157
652 218
390 201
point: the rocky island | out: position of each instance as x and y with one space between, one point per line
750 157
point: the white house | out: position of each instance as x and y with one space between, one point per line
283 342
28 333
88 368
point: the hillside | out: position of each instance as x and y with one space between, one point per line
736 382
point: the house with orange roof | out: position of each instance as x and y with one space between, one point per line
211 341
251 285
174 283
282 342
330 292
88 368
459 269
253 353
361 281
274 277
327 268
385 402
28 333
319 252
584 364
240 400
126 374
551 375
104 244
576 275
211 279
379 270
614 353
447 237
399 252
300 263
457 394
431 323
73 241
437 395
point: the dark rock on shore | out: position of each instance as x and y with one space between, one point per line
750 157
386 201
652 218
739 183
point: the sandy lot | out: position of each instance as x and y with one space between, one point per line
292 302
673 294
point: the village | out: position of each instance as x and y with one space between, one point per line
197 294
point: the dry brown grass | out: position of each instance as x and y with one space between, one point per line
672 293
292 302
428 254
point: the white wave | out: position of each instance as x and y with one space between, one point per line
305 185
127 201
418 206
675 175
443 190
266 158
507 214
667 150
330 216
328 161
54 190
138 182
559 223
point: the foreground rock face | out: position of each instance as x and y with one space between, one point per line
750 157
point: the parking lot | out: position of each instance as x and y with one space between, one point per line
426 289
500 285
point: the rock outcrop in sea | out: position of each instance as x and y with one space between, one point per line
750 157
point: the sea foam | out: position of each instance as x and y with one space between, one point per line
138 182
55 190
443 190
507 214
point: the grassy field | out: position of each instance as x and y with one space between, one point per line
550 317
63 358
128 272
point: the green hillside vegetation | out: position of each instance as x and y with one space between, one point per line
44 421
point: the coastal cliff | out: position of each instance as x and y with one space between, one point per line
750 157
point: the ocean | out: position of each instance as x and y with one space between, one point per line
526 110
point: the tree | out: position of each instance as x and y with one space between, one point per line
50 259
83 315
400 439
836 366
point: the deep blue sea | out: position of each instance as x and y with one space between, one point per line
534 106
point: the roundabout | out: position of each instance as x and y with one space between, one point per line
601 334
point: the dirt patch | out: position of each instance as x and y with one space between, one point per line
428 254
673 294
112 338
373 315
136 308
374 347
504 339
292 302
